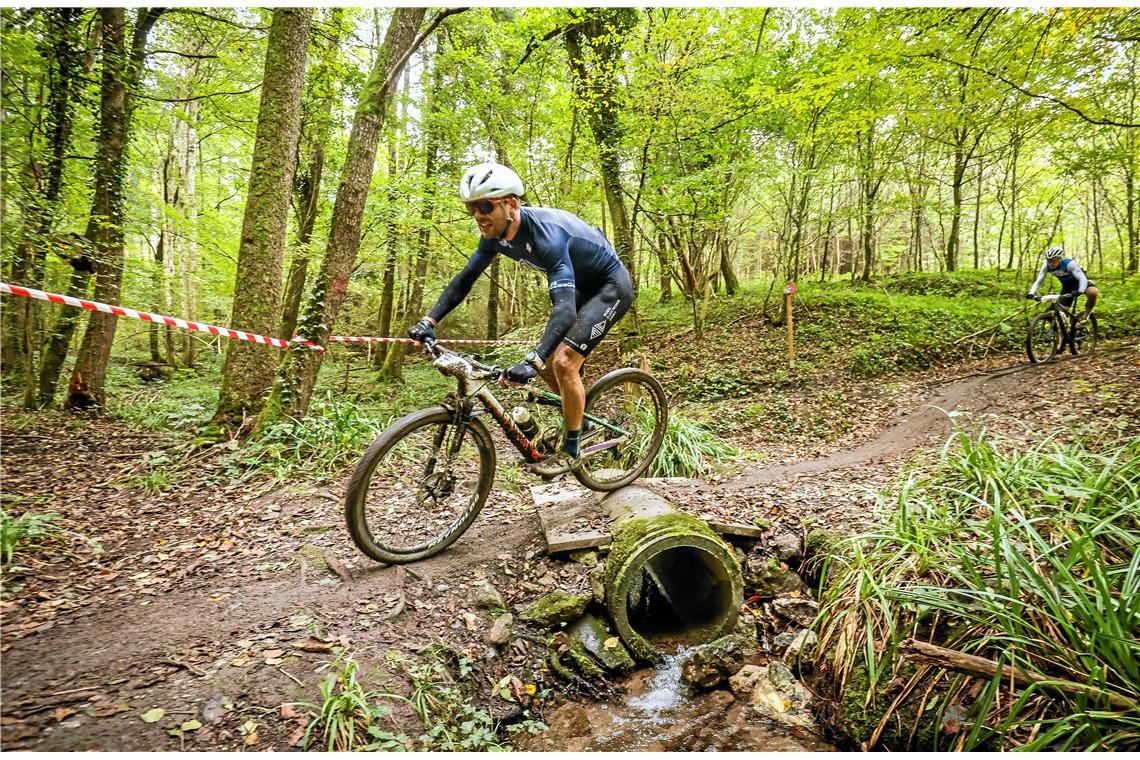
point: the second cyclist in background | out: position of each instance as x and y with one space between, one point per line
1074 282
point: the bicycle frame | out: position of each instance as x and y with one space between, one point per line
474 379
1066 318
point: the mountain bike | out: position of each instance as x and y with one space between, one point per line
421 484
1057 326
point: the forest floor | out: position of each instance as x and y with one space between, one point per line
221 602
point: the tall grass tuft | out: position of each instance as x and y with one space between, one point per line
690 449
1026 555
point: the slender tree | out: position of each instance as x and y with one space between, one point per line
249 367
122 67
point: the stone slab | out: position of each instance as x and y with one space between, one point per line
570 516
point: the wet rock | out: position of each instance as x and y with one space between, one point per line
788 548
744 680
605 646
768 576
500 632
488 598
795 609
784 640
713 663
554 609
799 651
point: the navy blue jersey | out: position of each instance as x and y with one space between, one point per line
571 253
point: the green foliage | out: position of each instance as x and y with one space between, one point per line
319 446
1025 554
690 449
24 532
353 717
347 716
184 402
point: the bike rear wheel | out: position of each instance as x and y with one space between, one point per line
419 486
631 416
1044 338
1088 335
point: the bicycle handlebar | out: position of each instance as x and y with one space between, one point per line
468 366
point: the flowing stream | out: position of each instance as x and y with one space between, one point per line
659 713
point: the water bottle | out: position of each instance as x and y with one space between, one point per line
526 423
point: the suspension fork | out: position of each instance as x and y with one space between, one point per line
449 434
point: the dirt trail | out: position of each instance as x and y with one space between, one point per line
201 596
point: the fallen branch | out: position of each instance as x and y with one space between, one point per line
980 667
991 328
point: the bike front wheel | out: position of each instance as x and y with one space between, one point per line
626 418
419 486
1044 337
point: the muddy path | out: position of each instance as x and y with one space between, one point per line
222 602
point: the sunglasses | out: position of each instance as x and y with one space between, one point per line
484 206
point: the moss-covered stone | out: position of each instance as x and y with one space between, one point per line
580 656
712 664
556 608
601 642
767 576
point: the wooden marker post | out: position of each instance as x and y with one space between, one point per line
789 291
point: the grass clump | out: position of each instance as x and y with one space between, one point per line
25 531
690 449
1028 556
330 438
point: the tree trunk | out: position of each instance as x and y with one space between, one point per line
298 371
308 192
257 291
55 352
120 76
597 90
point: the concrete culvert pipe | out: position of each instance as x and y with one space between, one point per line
670 580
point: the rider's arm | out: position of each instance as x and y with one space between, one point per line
1040 279
1082 280
563 299
460 285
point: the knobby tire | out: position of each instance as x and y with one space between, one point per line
632 400
393 489
1037 344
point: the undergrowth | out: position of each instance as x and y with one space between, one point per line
439 694
1028 556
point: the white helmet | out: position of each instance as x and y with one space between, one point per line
489 180
1054 252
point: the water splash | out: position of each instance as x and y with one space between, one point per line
665 693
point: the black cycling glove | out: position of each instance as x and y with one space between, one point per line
521 373
421 331
1031 297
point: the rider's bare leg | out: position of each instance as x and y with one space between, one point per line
1090 300
563 374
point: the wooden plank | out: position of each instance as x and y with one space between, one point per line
570 516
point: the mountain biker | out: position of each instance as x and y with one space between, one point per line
590 290
1074 282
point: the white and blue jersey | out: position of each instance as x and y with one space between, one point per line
1072 277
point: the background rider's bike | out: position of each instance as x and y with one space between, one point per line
422 482
1058 326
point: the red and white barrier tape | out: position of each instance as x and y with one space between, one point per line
146 316
226 332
